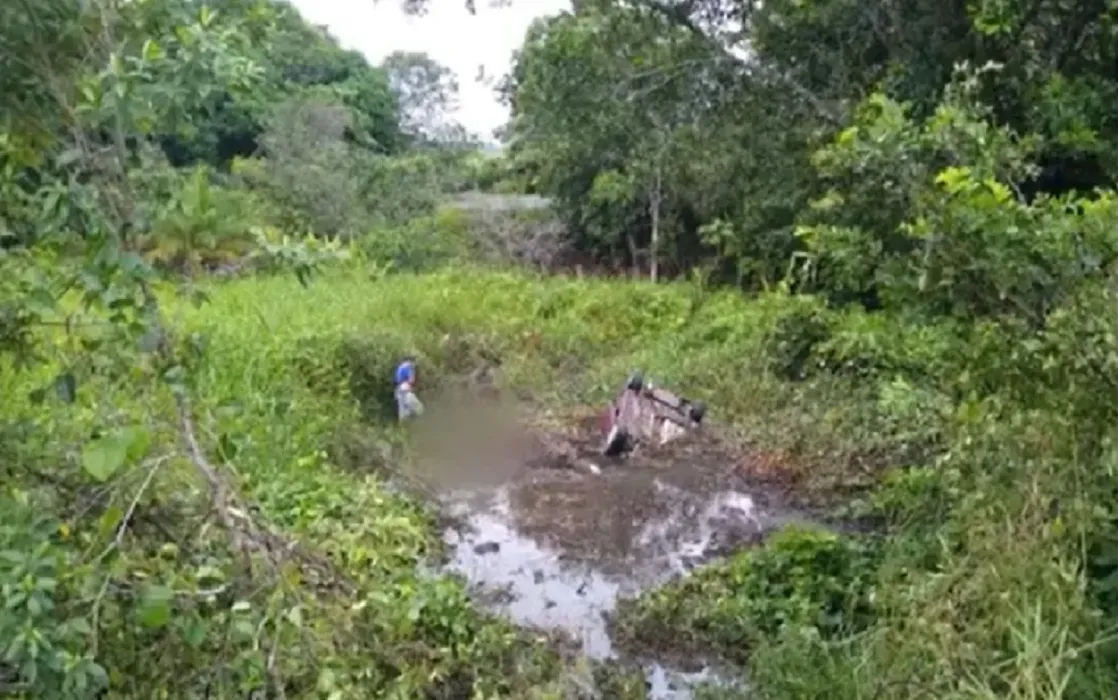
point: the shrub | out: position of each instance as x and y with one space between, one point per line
797 333
799 579
422 244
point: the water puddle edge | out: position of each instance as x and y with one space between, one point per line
562 556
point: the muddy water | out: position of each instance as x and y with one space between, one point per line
557 549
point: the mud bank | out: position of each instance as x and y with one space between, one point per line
556 547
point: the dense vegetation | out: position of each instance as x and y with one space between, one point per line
667 115
929 189
897 226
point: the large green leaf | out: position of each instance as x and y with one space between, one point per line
104 456
155 606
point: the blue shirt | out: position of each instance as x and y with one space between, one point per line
405 372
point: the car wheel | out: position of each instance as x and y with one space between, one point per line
697 411
635 381
616 441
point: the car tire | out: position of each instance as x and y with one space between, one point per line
616 441
697 411
635 382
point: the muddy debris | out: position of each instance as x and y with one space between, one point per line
565 545
552 534
487 548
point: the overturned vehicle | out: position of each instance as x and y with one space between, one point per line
642 412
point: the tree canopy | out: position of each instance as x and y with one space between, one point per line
426 93
742 94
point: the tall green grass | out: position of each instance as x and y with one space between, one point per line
562 342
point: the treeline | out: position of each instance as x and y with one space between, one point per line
697 123
210 120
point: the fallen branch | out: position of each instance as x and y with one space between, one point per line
246 536
243 533
273 665
118 539
128 514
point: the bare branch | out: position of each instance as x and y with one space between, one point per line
239 532
118 541
131 511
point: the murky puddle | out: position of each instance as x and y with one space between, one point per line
558 549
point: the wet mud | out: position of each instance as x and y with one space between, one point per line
557 542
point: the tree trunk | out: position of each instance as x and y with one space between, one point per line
634 258
654 243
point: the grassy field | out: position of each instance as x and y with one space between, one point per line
561 341
974 594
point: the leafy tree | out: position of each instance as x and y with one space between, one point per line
601 108
88 204
769 95
427 94
308 61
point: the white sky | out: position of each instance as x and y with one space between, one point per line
447 33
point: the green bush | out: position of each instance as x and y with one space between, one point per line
796 335
799 579
421 244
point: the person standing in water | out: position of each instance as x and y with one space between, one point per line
408 404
